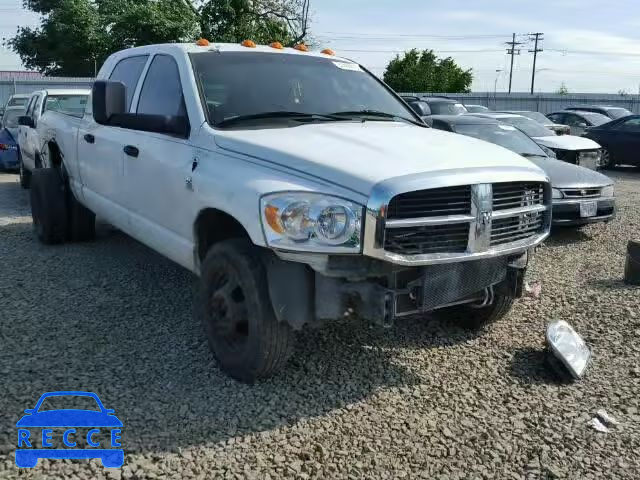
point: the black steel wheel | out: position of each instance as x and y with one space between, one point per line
234 304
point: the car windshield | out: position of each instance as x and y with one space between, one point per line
271 86
68 402
447 108
69 104
618 112
503 135
528 126
17 102
536 116
10 117
596 119
476 108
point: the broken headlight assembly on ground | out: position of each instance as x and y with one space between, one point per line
570 353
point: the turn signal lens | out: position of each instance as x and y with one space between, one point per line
248 44
328 51
203 42
301 47
272 215
277 45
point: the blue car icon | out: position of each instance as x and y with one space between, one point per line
69 419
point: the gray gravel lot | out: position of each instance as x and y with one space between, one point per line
423 400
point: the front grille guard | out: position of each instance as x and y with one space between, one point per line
480 218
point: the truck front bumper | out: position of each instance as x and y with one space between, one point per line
380 292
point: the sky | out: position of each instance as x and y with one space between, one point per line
589 45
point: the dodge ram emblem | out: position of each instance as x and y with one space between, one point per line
485 218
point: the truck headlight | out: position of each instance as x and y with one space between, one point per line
607 192
311 222
568 347
555 193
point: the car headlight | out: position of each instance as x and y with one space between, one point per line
556 193
312 222
568 347
607 192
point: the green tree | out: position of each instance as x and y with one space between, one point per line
423 71
76 36
562 89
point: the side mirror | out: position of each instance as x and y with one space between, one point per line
421 108
108 99
582 125
26 121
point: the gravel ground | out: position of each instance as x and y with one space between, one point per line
422 400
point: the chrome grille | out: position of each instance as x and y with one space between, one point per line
428 239
581 192
513 195
511 229
466 220
431 203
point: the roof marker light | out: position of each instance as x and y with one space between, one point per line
202 42
276 45
301 47
248 44
328 51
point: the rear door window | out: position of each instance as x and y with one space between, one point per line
128 71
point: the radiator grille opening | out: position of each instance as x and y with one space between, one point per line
437 202
428 239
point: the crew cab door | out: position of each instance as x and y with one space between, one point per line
156 167
100 151
27 135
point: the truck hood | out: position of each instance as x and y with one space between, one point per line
567 142
566 175
358 155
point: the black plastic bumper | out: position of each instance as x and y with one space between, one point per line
568 214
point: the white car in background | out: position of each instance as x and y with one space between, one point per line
568 148
32 148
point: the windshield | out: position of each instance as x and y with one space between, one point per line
503 135
69 104
241 84
447 108
528 126
17 102
68 402
595 119
618 112
10 118
536 116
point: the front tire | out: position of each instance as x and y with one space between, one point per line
48 206
233 302
472 317
608 161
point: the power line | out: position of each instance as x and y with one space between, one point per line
537 37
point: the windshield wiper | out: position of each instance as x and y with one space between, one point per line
376 114
281 114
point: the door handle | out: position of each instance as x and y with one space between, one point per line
89 138
131 151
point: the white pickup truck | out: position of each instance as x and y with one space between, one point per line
34 133
298 187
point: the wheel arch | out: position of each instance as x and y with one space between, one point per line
213 225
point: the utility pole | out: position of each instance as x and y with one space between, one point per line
513 51
536 37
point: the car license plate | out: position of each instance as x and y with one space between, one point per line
588 209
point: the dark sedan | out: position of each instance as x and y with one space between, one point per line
607 110
620 140
580 195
